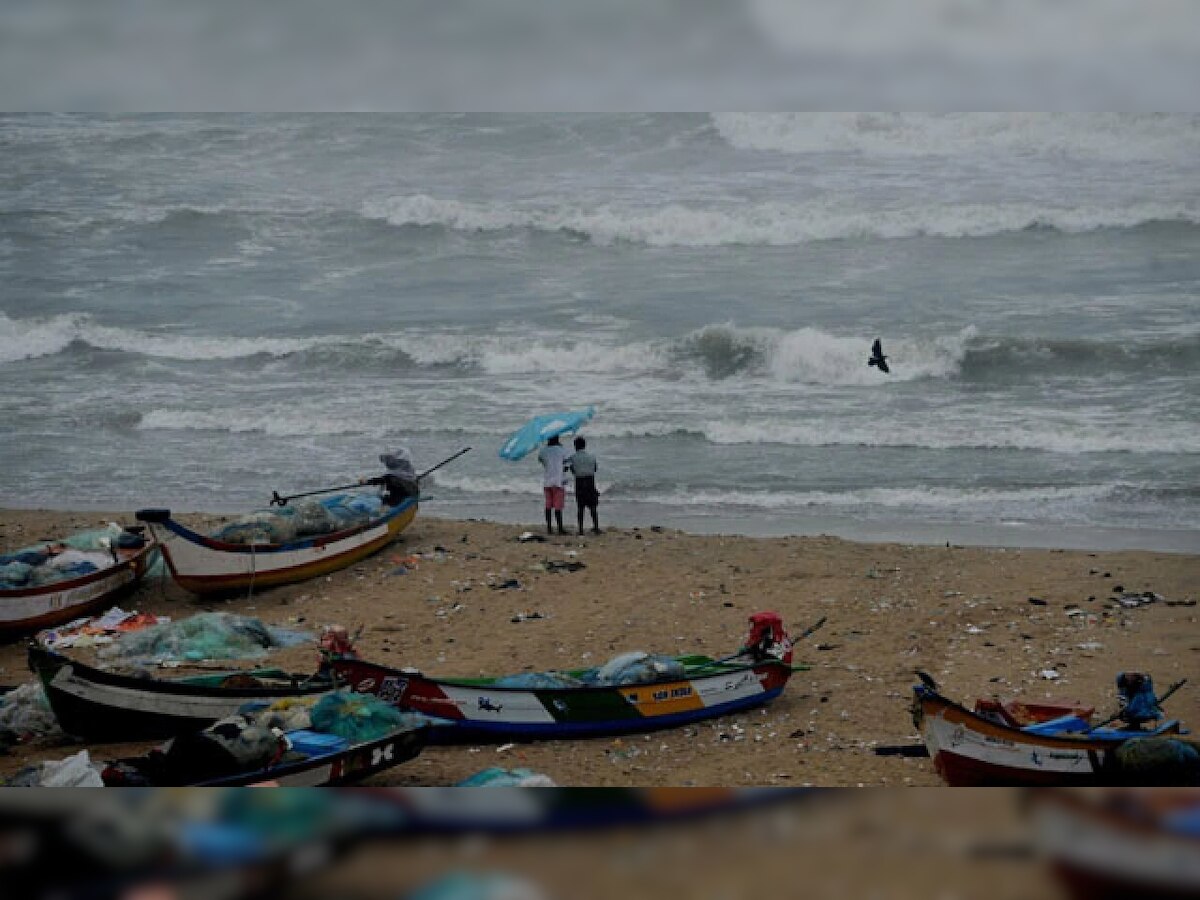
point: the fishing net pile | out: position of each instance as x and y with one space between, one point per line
72 557
308 518
627 668
1165 762
25 715
497 777
344 714
204 636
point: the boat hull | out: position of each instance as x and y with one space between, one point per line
484 712
95 705
969 750
26 611
206 566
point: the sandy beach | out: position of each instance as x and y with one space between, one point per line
965 615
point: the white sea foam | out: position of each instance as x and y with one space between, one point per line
924 497
772 224
268 422
1054 437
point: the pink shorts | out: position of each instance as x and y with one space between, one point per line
556 497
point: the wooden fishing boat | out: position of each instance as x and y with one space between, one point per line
317 760
480 709
1112 845
29 609
969 749
96 705
207 565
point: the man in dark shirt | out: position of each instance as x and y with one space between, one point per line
583 465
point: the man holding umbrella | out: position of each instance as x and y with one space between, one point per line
554 481
530 436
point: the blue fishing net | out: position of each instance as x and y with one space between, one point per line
360 717
497 777
205 636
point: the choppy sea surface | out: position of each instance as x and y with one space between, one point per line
198 310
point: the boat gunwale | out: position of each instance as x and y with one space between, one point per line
579 689
57 661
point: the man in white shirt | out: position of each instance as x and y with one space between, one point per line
554 482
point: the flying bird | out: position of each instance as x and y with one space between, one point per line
877 357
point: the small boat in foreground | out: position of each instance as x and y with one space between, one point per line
978 749
484 709
97 705
209 565
309 759
115 572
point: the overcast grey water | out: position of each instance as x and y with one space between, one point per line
198 310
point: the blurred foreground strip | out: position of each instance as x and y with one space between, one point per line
489 844
561 843
1122 843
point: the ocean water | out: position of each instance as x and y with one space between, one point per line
198 310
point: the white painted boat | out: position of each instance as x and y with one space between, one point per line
29 609
207 565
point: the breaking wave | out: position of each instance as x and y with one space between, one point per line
768 224
1174 437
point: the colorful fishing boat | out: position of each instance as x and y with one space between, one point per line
483 708
973 749
209 565
115 572
312 759
98 705
1112 845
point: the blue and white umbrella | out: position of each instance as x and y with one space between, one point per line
540 429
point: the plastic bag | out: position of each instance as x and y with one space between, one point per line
636 668
205 636
359 717
74 771
497 777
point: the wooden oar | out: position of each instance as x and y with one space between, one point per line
443 462
277 500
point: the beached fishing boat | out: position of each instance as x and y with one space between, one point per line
485 708
97 705
1112 845
209 565
114 573
976 749
315 759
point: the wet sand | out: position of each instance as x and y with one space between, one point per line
961 614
